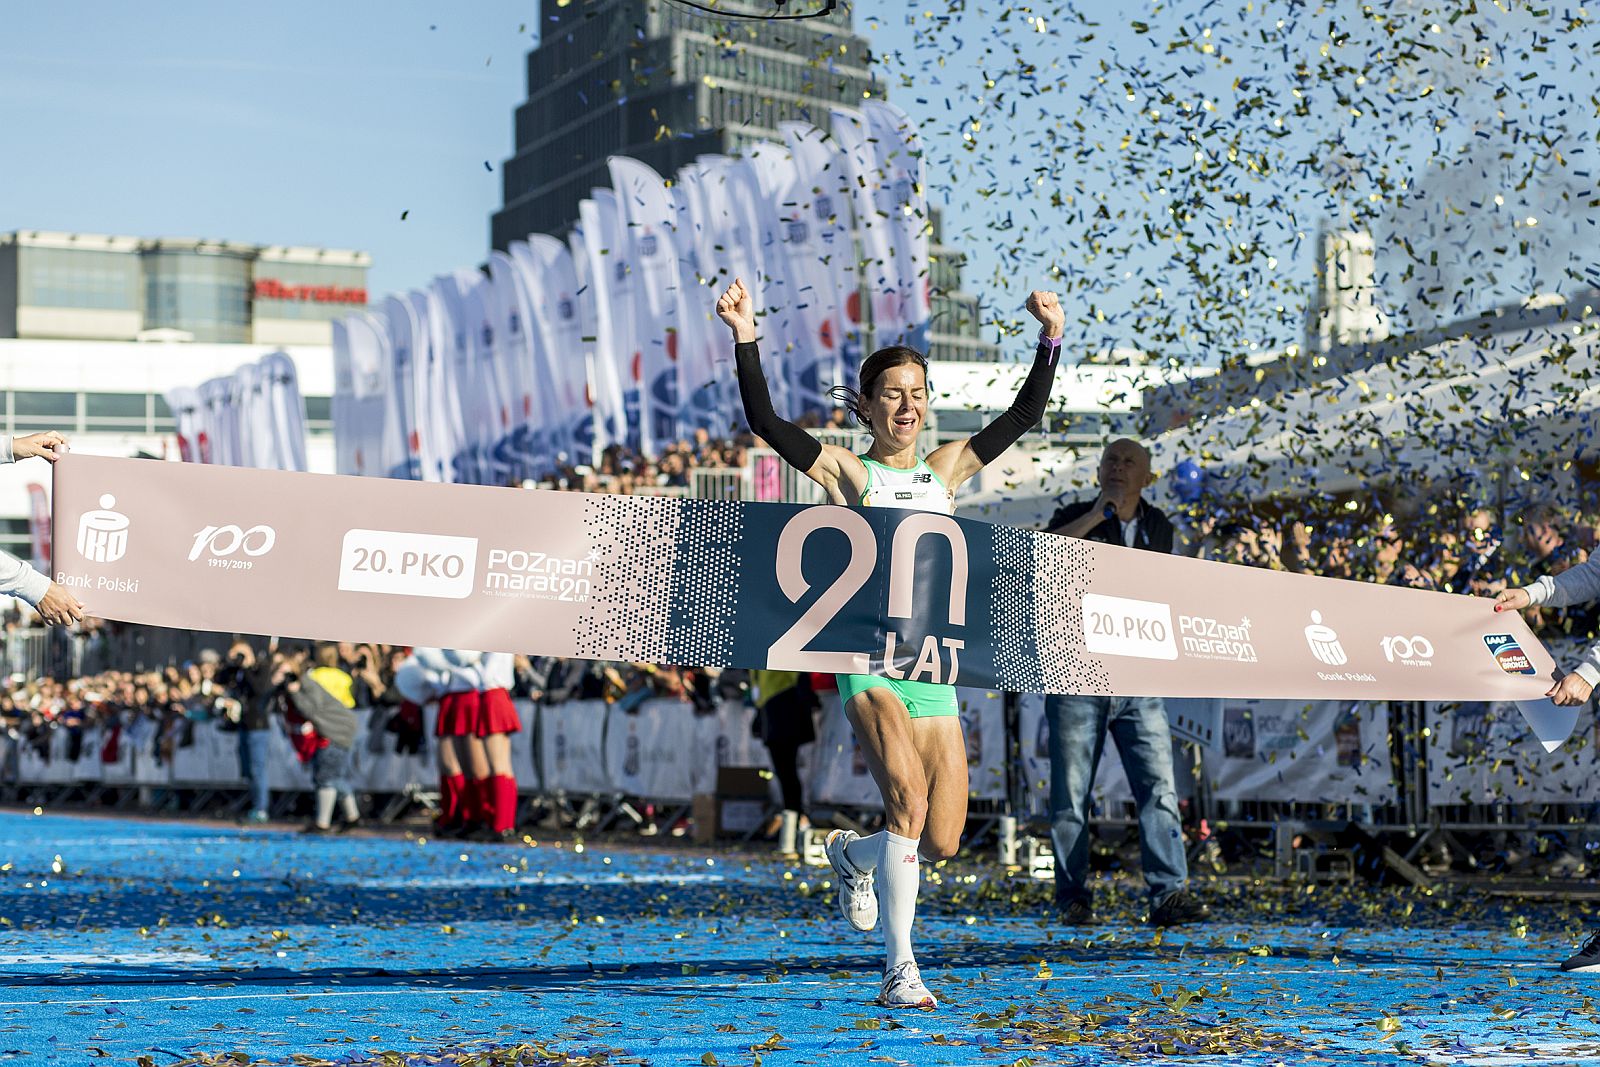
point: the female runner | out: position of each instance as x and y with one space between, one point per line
909 732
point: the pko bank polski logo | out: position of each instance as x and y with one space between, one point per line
103 534
402 563
1324 642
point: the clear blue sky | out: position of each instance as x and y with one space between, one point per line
281 123
320 123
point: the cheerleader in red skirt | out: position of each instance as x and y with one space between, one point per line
463 767
497 721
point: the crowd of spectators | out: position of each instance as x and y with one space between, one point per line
165 704
1454 547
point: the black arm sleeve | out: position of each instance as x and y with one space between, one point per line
1025 412
797 448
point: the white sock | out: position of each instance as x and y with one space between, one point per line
325 799
864 852
899 878
348 805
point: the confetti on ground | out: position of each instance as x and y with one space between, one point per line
171 942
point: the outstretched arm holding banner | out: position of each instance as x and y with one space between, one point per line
17 577
1579 584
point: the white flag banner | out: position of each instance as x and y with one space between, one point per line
219 415
255 425
735 208
704 367
360 396
872 225
402 432
605 381
520 435
455 374
543 439
796 284
342 405
612 276
436 430
185 404
487 406
822 198
900 193
649 218
278 380
548 272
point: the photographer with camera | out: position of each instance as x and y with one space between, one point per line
251 680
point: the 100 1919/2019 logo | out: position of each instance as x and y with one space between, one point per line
533 575
231 547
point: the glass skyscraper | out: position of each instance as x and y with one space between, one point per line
666 84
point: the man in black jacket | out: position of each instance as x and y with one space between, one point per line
1078 724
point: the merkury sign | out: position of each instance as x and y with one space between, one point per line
273 289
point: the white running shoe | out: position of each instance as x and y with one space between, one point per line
903 988
858 893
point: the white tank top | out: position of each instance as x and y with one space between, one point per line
917 489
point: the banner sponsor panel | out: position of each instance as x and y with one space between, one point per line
908 594
983 727
650 752
1478 752
1267 750
724 739
1331 751
572 747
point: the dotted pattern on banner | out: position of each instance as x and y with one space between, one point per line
705 583
1038 614
1016 650
630 603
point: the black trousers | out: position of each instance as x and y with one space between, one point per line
785 766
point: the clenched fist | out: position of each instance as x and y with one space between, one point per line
735 308
1046 307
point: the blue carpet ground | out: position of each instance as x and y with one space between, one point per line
132 941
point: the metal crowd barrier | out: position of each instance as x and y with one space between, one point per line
594 765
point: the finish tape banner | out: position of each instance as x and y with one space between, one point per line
907 594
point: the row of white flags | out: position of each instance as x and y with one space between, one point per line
564 348
254 417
